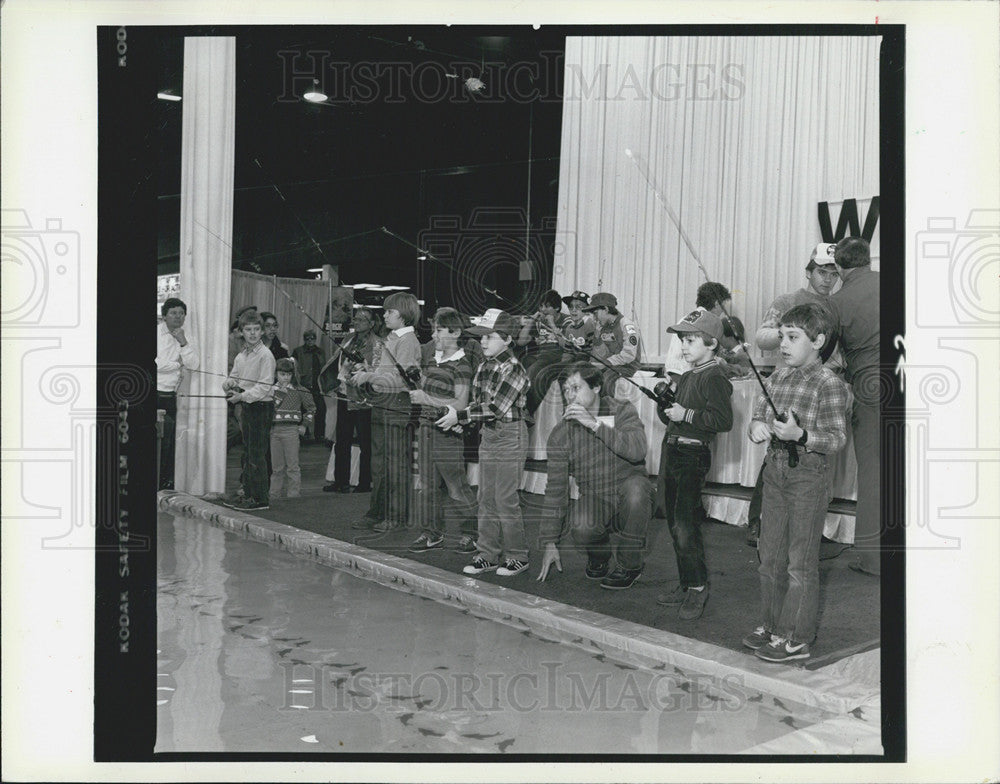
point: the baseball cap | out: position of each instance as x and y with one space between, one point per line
699 320
822 255
602 299
494 320
584 298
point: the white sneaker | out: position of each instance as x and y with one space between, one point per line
479 565
511 567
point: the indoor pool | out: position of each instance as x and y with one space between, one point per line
262 651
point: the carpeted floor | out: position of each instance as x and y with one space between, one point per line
849 602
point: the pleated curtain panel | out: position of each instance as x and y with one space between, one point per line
265 291
206 238
742 137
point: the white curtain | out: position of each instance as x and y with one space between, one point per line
743 136
206 234
264 291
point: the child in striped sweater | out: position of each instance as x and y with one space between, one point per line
294 409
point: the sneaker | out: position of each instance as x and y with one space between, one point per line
597 569
360 489
758 638
621 578
231 500
479 565
426 542
511 567
384 526
364 524
332 487
673 597
467 544
694 604
250 505
781 649
753 533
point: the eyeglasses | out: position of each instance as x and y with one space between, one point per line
571 389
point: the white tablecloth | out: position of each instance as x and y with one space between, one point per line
735 458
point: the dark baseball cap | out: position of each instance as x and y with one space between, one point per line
579 295
699 321
603 299
494 320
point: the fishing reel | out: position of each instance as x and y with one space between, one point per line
412 376
664 394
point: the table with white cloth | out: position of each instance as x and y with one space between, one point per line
736 460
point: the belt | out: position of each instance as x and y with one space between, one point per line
684 440
496 422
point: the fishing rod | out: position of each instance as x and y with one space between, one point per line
793 454
274 384
664 397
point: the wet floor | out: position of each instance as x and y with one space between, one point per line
261 651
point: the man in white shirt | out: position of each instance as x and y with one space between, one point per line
174 352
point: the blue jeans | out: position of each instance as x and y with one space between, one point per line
592 520
256 426
682 475
441 458
502 452
795 504
285 460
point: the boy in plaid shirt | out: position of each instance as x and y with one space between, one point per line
497 401
813 403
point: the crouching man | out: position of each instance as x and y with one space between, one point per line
602 443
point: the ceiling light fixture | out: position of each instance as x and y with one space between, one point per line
315 269
168 97
314 94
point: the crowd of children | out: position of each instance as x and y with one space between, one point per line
392 390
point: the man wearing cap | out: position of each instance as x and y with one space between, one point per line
498 401
617 341
856 309
309 359
821 277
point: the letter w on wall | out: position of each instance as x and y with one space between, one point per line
848 219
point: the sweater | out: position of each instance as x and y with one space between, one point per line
599 461
707 395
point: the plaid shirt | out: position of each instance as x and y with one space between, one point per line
499 391
818 398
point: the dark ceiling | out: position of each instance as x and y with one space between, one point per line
399 143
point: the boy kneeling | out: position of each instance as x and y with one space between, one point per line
813 402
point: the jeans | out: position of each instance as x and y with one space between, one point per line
441 460
168 402
757 499
349 422
866 426
392 460
592 520
285 459
502 452
682 475
256 427
795 503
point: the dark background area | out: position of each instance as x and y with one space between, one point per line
400 143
